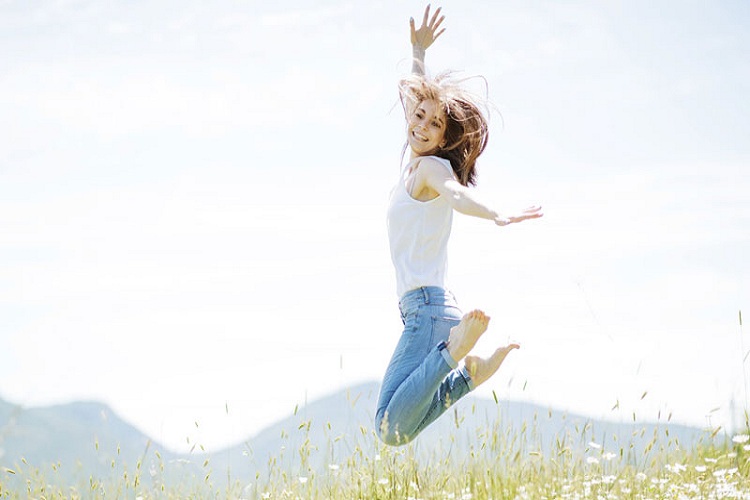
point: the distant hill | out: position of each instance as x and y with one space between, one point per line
85 438
72 442
329 430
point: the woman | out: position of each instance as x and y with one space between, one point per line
445 133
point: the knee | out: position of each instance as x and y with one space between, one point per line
393 438
388 434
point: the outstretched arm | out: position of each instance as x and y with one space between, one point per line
434 176
423 37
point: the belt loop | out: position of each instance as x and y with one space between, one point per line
426 295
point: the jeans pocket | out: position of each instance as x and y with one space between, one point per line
441 328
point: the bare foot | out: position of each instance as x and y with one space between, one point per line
482 369
464 335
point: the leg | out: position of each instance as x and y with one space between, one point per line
417 389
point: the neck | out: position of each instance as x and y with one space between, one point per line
413 154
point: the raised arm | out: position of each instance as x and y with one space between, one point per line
423 37
433 176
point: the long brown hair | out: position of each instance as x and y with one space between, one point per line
466 132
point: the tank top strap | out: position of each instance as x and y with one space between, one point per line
408 166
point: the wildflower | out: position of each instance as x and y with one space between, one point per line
741 439
302 479
608 456
383 481
641 476
333 466
676 468
592 460
595 445
700 468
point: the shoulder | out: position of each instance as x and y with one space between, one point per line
434 165
433 174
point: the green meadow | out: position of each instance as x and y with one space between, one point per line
500 463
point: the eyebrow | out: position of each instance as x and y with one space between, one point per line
440 120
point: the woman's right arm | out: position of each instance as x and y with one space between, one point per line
433 175
423 37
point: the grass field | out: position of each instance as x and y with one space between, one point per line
498 466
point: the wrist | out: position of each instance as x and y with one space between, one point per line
500 220
417 66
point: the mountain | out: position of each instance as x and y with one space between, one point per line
331 429
76 441
87 438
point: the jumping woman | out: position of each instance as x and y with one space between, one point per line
431 368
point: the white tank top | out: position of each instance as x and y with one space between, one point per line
418 234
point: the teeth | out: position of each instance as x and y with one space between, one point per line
420 136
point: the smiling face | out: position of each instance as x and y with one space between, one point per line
425 128
446 120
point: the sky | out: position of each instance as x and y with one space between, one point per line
193 196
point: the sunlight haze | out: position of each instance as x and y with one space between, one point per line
193 196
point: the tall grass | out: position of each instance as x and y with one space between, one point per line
500 463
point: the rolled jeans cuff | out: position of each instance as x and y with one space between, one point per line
442 347
465 373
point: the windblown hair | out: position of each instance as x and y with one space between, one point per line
466 131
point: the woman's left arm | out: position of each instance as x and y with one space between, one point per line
423 37
465 200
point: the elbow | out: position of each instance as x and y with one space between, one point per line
461 203
457 199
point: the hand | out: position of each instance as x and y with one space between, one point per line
428 32
529 213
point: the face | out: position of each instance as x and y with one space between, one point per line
425 128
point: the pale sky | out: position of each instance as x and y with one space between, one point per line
192 204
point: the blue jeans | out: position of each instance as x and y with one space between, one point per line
422 380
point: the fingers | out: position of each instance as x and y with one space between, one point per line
426 15
435 25
532 213
522 218
430 29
